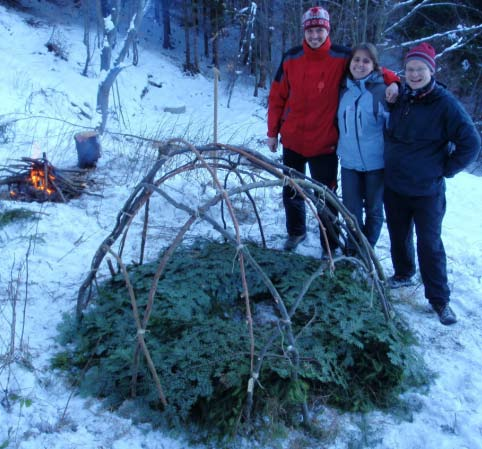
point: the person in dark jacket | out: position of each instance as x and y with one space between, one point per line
302 106
362 115
429 137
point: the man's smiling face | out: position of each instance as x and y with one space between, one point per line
316 36
417 74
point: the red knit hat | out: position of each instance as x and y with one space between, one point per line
423 52
316 17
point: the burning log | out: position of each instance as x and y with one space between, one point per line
38 180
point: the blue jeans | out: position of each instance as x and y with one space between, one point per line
324 169
426 213
363 192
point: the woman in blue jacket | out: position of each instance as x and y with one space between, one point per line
362 115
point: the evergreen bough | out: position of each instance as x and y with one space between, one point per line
351 356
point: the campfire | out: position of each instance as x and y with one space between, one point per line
38 180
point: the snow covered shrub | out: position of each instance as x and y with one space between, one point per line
57 44
7 131
350 355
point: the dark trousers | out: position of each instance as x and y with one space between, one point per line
323 169
426 213
363 192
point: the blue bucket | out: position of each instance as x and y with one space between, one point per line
88 149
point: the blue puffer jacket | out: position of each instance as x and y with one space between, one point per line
362 114
427 139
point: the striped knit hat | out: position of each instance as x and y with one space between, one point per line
423 52
316 17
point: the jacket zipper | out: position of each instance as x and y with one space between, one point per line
356 133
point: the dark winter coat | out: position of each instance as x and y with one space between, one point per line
362 115
427 139
304 95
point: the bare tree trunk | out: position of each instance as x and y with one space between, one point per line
292 31
195 18
216 11
110 22
157 11
363 31
86 40
263 25
380 21
187 43
284 29
107 81
166 24
206 29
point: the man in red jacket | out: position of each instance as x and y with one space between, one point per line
303 102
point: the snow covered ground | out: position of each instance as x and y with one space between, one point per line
43 262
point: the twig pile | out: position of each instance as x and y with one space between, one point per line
38 180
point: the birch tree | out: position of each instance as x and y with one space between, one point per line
109 72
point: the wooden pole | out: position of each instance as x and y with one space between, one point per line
216 79
215 120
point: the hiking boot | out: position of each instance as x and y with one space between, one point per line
445 314
293 241
397 281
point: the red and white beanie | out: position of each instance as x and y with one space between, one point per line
316 17
423 52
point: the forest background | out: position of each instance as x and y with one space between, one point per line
245 40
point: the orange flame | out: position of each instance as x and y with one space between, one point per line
37 179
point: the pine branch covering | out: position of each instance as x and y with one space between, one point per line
350 356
